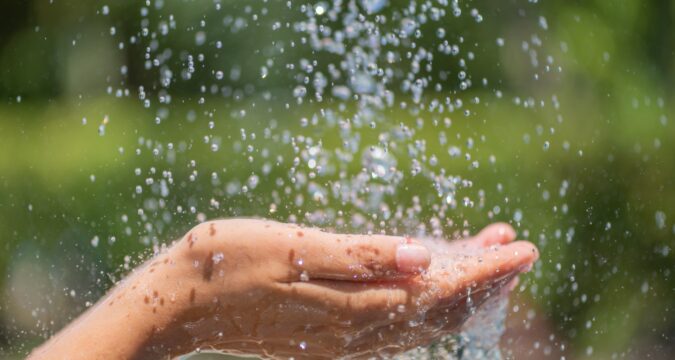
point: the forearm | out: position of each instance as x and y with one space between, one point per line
121 324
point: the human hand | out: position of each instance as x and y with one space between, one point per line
279 290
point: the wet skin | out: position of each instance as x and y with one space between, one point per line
278 290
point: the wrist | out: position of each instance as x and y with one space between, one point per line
162 294
189 280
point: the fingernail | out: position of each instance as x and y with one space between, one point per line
412 258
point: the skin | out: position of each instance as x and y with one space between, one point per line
278 290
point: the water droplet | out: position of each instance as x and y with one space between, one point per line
200 38
379 163
299 91
373 6
341 92
660 217
218 257
320 8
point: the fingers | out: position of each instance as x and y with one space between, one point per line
357 257
412 258
496 234
499 263
312 253
487 269
367 303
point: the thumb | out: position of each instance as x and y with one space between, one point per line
360 257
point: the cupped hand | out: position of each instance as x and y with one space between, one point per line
278 290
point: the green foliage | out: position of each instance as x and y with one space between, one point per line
605 257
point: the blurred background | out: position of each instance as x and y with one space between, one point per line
101 160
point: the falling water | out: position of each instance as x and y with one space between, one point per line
334 117
125 123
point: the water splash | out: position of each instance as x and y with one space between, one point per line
336 121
